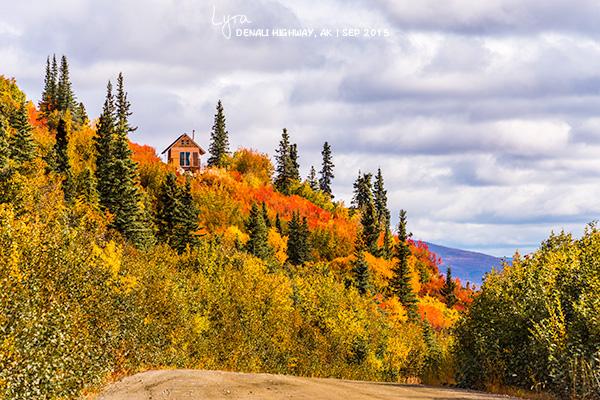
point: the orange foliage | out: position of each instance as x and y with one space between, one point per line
436 313
143 154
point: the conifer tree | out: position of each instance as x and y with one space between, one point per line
449 288
360 268
219 140
285 169
265 215
370 227
326 170
54 90
48 99
61 163
278 225
401 280
21 144
298 250
61 157
103 142
380 197
65 97
294 166
168 209
257 244
85 186
387 251
363 191
312 179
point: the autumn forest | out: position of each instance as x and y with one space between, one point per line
113 262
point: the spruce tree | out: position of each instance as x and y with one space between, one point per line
61 156
448 289
265 214
312 179
326 170
257 244
168 209
186 236
401 280
363 191
278 225
284 170
219 140
105 160
298 250
85 186
360 268
65 97
294 166
370 227
380 197
126 205
47 101
54 87
387 251
22 146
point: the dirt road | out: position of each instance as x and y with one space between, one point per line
197 384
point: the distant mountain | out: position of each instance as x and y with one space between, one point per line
466 265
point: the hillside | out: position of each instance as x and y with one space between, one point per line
469 266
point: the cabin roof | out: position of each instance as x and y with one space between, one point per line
187 137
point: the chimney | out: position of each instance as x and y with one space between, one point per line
193 133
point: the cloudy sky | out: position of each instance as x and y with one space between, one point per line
483 115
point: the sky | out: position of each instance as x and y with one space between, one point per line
484 116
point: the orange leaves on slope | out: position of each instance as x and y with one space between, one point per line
143 154
436 313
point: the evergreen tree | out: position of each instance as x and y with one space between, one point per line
285 170
65 97
278 225
61 163
312 179
22 146
387 251
103 142
360 268
380 197
187 235
265 215
168 209
219 140
326 170
80 115
126 195
401 280
363 191
54 87
258 244
298 250
449 288
295 167
48 99
370 227
61 156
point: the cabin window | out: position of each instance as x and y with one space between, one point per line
184 158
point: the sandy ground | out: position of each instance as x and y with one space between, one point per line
197 384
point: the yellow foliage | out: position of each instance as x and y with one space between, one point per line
436 312
278 244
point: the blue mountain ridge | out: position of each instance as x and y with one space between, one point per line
469 266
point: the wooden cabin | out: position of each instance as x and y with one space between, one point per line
185 154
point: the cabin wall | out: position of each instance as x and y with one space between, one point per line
174 157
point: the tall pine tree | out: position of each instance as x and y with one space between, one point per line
312 179
285 170
380 197
103 142
360 268
370 227
65 97
294 165
401 279
265 214
61 163
257 244
168 209
449 288
363 191
298 250
219 140
326 170
48 100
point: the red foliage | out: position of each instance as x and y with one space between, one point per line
143 154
